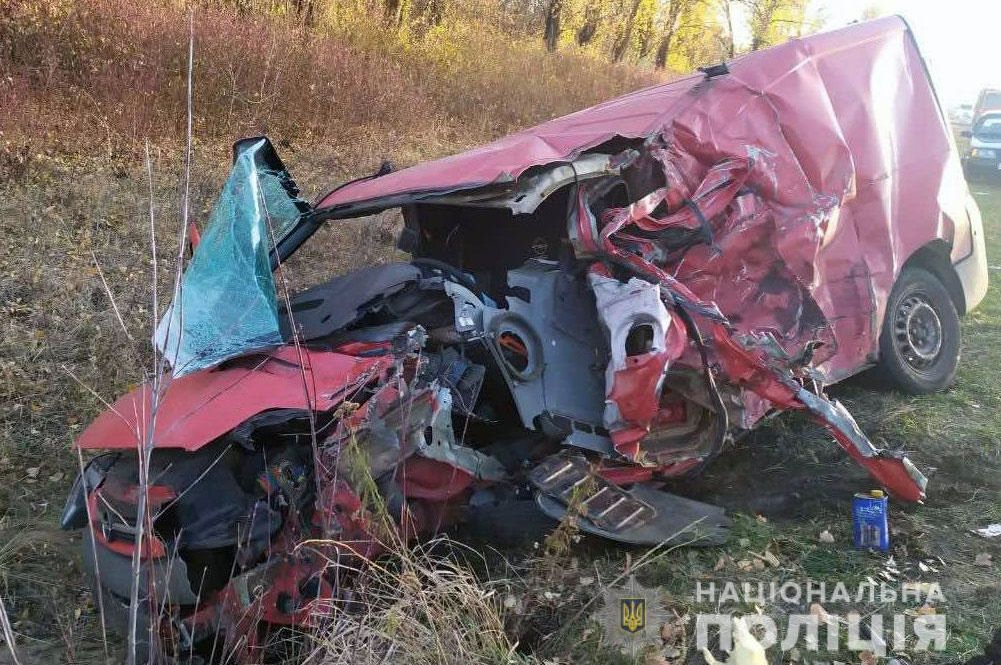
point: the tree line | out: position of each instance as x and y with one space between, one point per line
677 34
665 34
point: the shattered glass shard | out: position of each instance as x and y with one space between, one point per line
228 305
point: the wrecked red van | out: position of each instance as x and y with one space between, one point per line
592 306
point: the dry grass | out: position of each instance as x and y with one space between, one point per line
103 75
421 606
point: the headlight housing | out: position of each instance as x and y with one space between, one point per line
983 153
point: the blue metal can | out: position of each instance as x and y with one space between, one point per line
869 520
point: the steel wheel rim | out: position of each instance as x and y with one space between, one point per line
917 331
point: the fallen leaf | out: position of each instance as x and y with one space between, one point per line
817 610
984 559
826 536
761 519
655 659
771 559
32 471
722 563
670 632
867 658
56 477
926 610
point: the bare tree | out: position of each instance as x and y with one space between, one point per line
588 29
552 24
622 43
729 46
391 11
773 21
672 20
305 12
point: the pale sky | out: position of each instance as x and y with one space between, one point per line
960 39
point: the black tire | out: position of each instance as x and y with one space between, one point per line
919 344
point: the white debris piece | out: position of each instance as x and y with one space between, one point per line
989 531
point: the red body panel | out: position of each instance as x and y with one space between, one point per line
197 408
854 159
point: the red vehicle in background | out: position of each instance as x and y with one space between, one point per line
600 302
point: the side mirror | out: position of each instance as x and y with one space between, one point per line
966 134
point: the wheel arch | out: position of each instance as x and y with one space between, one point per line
935 257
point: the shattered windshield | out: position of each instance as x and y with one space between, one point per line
227 301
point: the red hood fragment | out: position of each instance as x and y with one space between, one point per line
197 408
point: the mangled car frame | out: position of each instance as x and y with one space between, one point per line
593 306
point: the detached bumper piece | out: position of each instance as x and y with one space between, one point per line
892 469
640 515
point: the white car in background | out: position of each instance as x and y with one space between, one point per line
984 156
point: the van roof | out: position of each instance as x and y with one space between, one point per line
636 115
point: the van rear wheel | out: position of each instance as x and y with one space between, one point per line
920 340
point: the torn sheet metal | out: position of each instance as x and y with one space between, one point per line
815 183
643 338
796 110
439 443
751 370
641 515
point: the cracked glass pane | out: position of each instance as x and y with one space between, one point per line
228 304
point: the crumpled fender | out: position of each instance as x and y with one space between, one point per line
198 408
892 469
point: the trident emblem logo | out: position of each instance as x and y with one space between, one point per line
633 614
